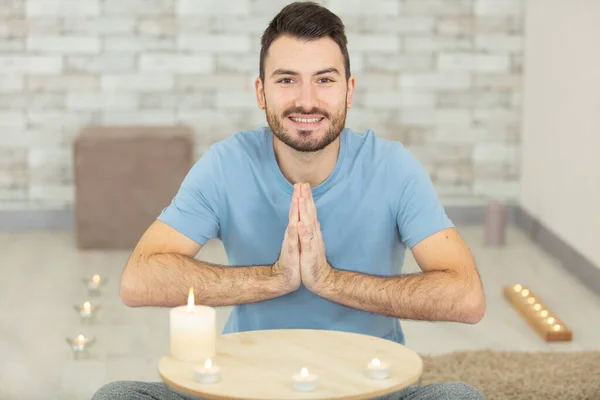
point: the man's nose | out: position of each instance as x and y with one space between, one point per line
307 98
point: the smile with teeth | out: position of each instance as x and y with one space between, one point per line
306 120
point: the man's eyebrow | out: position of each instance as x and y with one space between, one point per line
281 71
331 70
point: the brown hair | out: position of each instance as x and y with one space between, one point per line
304 20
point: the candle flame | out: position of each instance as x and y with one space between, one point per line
208 363
376 362
190 304
304 372
81 338
525 292
551 320
537 307
557 327
544 313
518 288
96 279
87 306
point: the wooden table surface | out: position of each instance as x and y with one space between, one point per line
258 365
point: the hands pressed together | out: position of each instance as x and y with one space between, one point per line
302 258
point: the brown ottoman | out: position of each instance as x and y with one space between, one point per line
124 177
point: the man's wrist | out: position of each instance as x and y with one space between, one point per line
278 281
327 282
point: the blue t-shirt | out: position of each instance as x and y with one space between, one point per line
377 202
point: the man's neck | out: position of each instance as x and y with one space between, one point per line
306 167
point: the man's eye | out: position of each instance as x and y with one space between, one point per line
285 80
325 80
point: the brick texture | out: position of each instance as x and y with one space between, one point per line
444 77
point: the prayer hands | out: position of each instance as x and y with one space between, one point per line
314 268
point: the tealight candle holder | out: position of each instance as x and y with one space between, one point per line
86 311
80 345
208 373
305 381
377 369
94 284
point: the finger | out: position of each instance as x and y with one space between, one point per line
304 212
319 237
294 215
307 194
311 204
292 238
304 234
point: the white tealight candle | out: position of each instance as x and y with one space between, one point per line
86 310
208 373
94 283
193 332
80 343
378 370
305 381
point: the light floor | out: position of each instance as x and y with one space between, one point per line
40 283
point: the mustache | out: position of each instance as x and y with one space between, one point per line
300 110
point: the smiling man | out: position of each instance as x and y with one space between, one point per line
315 217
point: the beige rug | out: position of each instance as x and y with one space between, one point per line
503 375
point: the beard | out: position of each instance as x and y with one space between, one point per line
304 143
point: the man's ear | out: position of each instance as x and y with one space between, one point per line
260 93
350 92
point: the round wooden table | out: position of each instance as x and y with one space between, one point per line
258 365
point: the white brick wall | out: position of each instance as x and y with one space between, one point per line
137 44
62 8
473 62
12 120
62 83
498 7
362 8
102 101
106 63
213 7
99 26
214 43
64 44
442 76
432 81
11 83
395 100
138 83
179 63
377 43
30 64
437 7
138 7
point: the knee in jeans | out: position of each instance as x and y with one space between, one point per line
114 390
463 391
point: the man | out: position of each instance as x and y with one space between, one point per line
315 217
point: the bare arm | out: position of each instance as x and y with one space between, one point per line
162 268
449 289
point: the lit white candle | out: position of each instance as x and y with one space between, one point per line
193 332
94 283
378 370
86 311
208 373
305 381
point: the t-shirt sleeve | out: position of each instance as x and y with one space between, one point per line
420 212
194 211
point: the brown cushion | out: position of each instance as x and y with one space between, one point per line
124 177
